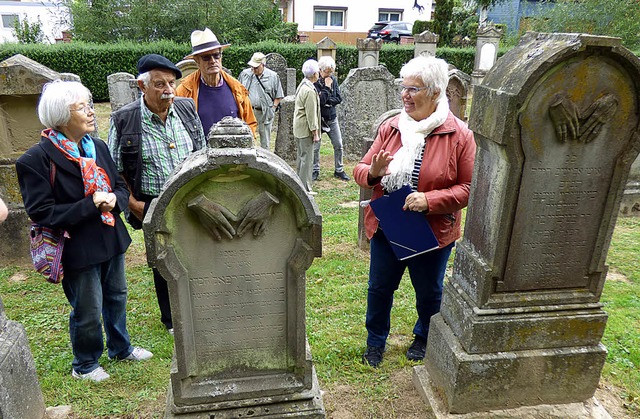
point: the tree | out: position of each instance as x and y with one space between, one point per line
237 21
597 17
28 33
442 21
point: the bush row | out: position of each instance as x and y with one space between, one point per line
94 62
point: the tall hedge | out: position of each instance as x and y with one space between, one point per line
94 62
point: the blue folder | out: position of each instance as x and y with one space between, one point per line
408 232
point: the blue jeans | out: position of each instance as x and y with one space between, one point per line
336 141
97 290
385 272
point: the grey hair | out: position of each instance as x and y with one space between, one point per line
309 68
326 62
434 73
145 78
55 101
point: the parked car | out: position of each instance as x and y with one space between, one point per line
390 31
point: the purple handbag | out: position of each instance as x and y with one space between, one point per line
47 245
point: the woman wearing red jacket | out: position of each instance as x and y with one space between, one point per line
428 148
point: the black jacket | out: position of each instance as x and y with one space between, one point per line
329 98
65 206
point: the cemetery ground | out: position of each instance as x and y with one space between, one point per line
336 302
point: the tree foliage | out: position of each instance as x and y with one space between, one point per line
237 21
27 32
442 21
597 17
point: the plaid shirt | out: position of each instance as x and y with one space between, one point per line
164 146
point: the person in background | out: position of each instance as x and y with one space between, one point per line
85 199
215 93
4 211
306 122
327 86
428 148
265 93
148 138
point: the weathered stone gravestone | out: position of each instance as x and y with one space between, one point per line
366 94
458 91
237 299
285 143
368 52
186 67
488 39
21 81
630 205
20 395
425 44
121 91
278 63
326 47
521 321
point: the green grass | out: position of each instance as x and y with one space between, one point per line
336 304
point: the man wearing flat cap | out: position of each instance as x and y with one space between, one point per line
215 93
265 93
148 138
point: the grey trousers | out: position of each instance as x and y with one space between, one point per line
304 160
264 130
336 141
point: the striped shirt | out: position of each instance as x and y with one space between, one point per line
417 164
164 146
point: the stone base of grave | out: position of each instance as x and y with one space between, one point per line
20 395
306 404
511 379
589 409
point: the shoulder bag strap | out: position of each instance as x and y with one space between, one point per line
265 90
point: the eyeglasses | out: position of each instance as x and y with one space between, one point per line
215 55
86 109
412 89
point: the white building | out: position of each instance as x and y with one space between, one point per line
50 15
345 21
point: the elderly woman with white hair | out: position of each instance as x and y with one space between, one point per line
306 122
68 181
432 151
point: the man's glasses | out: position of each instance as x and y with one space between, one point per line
412 89
86 109
215 56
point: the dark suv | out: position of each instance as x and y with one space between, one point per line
390 31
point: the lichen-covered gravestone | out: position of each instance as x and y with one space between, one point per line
121 91
233 233
521 322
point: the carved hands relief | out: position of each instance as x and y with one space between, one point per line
572 125
219 221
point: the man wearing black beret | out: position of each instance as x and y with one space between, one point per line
148 138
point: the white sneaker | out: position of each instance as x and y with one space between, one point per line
97 375
138 354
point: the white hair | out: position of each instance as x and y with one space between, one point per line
145 78
434 73
326 63
57 96
309 68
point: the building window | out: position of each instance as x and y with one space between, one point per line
393 15
9 20
329 18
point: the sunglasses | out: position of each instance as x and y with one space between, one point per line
215 56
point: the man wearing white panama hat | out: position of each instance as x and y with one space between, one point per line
216 93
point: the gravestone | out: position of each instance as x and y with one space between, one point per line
120 89
285 146
326 47
21 82
20 395
630 205
368 52
366 94
238 301
488 39
425 44
186 67
521 320
458 92
278 63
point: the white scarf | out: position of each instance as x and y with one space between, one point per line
412 135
